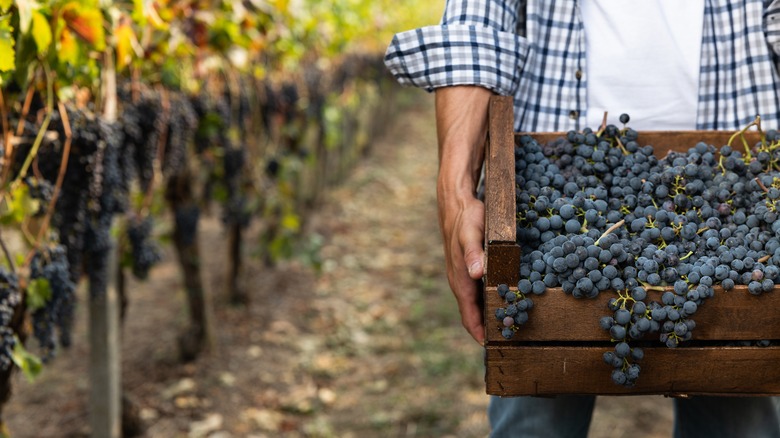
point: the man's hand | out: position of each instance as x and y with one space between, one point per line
461 122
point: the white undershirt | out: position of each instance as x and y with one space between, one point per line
643 60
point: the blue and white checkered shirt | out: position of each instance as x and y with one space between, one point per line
535 51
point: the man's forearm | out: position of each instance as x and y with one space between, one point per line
461 122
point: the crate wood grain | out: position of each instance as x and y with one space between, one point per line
559 350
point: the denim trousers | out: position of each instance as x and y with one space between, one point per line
695 417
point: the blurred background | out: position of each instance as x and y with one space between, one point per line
218 220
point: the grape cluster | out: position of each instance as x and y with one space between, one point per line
145 253
518 304
41 190
10 298
180 133
598 212
51 264
142 125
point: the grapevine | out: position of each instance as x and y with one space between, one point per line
69 169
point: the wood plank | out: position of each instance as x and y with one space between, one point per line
503 260
733 315
500 202
514 371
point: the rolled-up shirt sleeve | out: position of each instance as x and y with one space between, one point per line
475 44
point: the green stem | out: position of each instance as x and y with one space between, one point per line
44 124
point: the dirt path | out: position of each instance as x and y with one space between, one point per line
370 346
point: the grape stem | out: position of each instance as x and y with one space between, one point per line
760 184
60 175
6 152
741 134
651 287
603 126
620 145
44 124
25 108
7 254
610 230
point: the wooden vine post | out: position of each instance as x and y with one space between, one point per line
198 336
104 353
238 294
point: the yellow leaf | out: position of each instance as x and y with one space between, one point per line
41 32
68 49
124 45
7 52
5 4
86 23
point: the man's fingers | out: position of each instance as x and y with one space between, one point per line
471 239
472 321
468 298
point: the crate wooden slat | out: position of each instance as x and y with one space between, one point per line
559 350
560 317
680 371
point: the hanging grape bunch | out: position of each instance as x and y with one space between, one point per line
50 264
598 213
10 298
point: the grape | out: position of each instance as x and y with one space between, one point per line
50 264
692 221
144 252
10 298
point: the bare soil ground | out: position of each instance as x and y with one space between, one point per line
370 346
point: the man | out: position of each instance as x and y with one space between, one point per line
702 64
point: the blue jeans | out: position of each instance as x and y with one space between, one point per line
569 416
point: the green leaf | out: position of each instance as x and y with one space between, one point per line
41 32
38 293
7 53
20 206
27 362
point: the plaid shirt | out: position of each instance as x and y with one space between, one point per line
535 51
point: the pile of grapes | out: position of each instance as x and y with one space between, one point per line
596 211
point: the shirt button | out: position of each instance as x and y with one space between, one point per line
574 114
578 74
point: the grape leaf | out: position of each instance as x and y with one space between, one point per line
7 52
27 362
38 293
69 51
41 32
5 4
19 206
86 23
124 45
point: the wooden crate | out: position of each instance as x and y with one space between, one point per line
559 350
